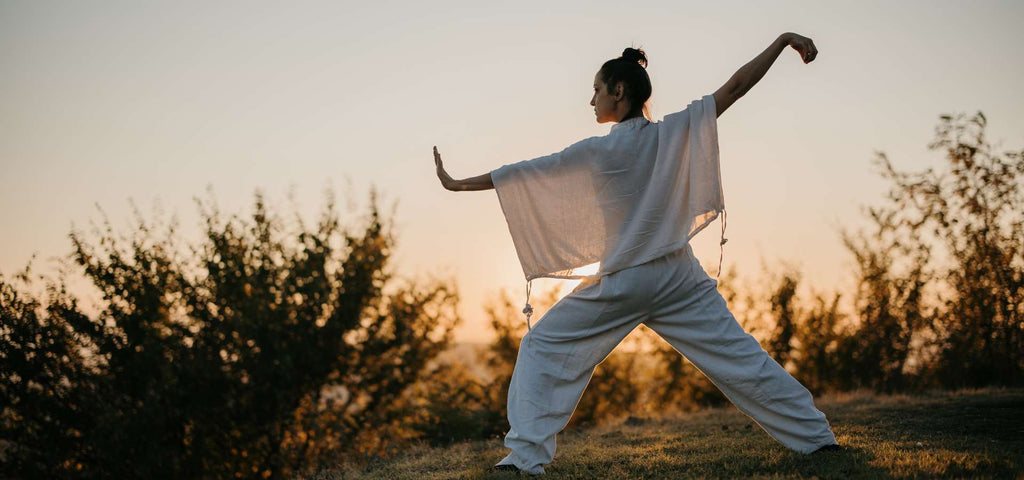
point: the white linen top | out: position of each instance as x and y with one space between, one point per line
636 194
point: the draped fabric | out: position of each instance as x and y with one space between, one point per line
623 199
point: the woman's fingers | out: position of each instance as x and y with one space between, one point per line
803 46
806 48
441 174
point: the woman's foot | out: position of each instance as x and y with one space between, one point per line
512 469
829 448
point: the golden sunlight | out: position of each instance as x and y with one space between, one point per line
569 285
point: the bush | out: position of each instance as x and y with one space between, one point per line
256 353
958 233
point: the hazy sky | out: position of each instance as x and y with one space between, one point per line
102 102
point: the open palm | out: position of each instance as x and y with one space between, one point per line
447 181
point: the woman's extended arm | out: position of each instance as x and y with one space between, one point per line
479 182
748 75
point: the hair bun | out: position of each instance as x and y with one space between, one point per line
635 55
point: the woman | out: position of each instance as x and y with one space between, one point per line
631 200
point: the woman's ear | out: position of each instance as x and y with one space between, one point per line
620 91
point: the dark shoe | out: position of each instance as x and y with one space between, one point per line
506 468
829 448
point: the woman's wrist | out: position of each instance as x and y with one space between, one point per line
785 38
480 182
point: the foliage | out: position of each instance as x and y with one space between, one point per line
675 384
253 354
818 363
784 312
939 272
973 213
47 383
889 305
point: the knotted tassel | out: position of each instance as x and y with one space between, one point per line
721 246
528 310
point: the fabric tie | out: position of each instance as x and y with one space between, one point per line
528 310
721 246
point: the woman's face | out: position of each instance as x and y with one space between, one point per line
605 102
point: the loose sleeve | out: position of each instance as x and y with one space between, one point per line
691 138
548 203
623 199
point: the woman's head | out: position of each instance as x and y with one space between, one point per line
622 87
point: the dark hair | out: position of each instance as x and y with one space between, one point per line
631 70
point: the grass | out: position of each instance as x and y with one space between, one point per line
972 434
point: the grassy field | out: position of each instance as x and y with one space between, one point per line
972 434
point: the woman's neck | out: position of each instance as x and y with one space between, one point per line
631 115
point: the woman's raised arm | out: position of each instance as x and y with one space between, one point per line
748 75
479 182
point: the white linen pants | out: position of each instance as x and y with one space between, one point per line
673 296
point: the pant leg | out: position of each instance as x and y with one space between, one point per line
556 361
692 316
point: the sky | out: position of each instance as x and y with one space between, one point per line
158 103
